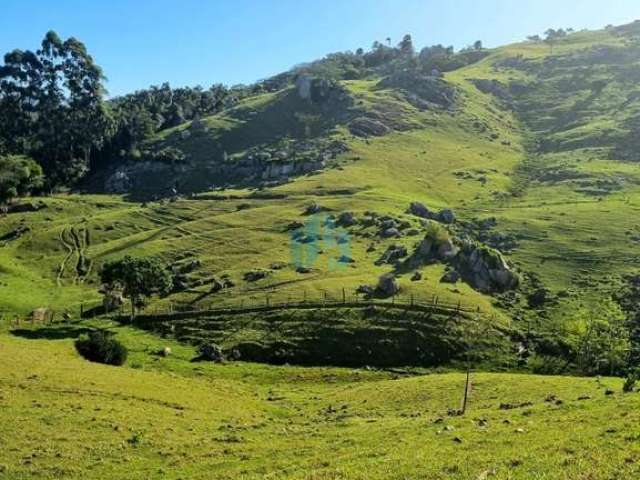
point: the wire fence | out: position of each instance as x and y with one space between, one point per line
325 300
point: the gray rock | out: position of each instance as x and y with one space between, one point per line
210 352
420 210
390 233
313 208
450 277
392 254
366 290
345 219
255 275
446 216
387 285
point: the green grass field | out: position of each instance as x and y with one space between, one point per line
64 417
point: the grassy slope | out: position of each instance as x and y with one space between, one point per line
170 418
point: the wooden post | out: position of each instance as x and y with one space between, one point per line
466 389
344 296
412 299
81 310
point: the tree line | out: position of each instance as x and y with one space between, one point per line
56 123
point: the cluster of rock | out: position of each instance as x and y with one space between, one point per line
482 267
182 271
483 231
134 175
260 164
22 207
422 90
277 163
392 255
443 216
493 87
387 286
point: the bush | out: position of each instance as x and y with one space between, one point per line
546 365
100 346
629 384
210 352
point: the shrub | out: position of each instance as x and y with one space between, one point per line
629 383
210 352
546 365
100 346
437 233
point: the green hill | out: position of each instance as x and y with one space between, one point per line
531 145
500 188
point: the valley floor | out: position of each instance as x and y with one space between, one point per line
63 417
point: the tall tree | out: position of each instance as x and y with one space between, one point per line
406 45
53 100
138 277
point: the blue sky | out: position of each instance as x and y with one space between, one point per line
190 42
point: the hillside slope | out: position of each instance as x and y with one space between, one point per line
535 155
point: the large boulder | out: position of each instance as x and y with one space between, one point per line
345 219
112 299
367 127
210 352
485 269
387 285
420 210
390 233
303 86
433 249
446 216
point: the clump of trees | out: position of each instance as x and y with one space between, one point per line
53 109
19 175
137 278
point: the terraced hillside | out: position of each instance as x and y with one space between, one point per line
532 147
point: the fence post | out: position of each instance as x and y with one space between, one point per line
344 296
81 310
412 299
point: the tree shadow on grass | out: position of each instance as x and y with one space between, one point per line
50 333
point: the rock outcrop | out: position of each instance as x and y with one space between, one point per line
484 268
